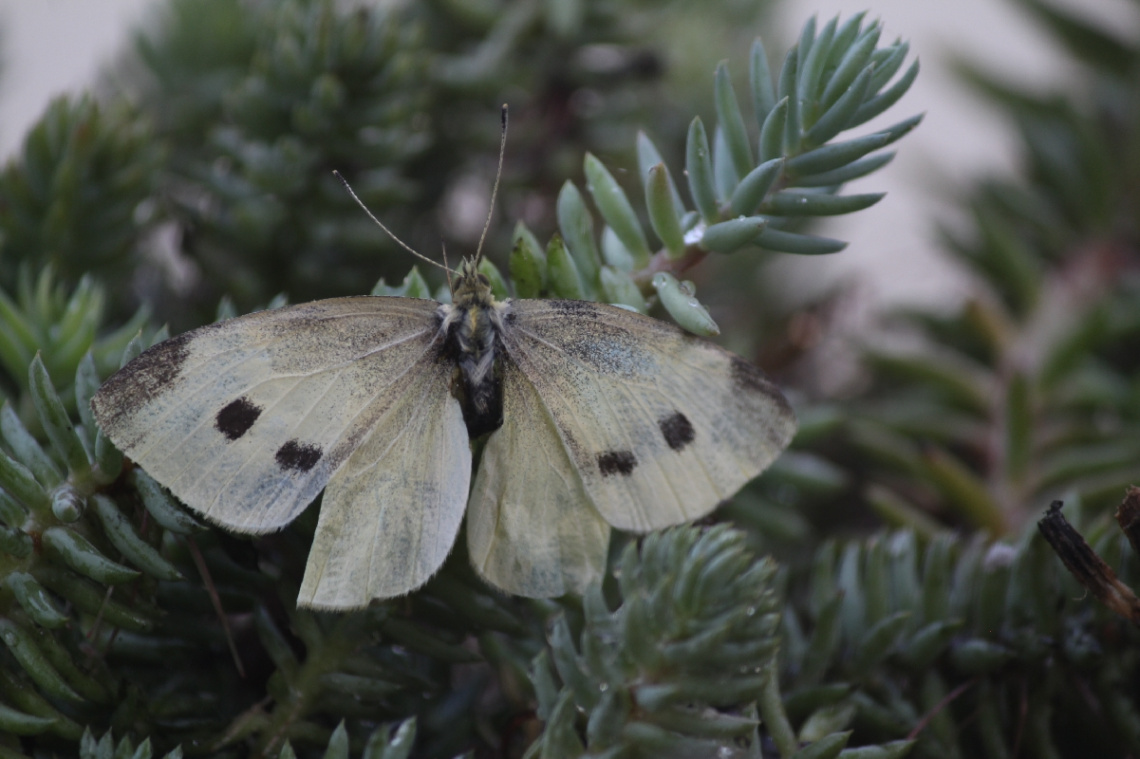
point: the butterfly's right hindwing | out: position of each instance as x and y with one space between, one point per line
530 529
246 420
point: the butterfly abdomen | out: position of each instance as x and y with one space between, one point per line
473 326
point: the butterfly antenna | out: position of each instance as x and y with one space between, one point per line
390 233
495 188
446 267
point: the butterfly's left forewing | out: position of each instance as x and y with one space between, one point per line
660 425
245 420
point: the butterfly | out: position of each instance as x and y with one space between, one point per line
593 417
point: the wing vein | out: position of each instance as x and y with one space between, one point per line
387 450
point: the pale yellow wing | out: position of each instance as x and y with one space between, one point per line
660 425
246 420
531 529
390 515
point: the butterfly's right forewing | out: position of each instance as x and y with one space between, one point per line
246 420
661 425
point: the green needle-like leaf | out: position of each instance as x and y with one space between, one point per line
24 649
616 209
731 235
699 169
760 77
851 171
527 265
772 132
793 122
19 482
123 536
577 227
840 115
888 61
885 99
731 121
755 186
619 288
15 722
679 300
791 242
810 69
55 419
35 601
565 280
662 211
78 553
27 449
647 157
162 506
854 60
498 284
804 203
724 173
835 156
827 747
851 29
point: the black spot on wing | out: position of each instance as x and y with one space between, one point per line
298 456
616 462
677 430
237 417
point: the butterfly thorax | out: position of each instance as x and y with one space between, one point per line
472 325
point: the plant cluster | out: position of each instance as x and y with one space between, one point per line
123 616
1027 392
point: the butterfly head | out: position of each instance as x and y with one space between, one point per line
471 289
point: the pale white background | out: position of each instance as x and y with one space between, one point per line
48 47
892 251
54 46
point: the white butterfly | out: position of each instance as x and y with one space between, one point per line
595 417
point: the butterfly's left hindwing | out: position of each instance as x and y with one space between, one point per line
390 515
246 420
660 425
